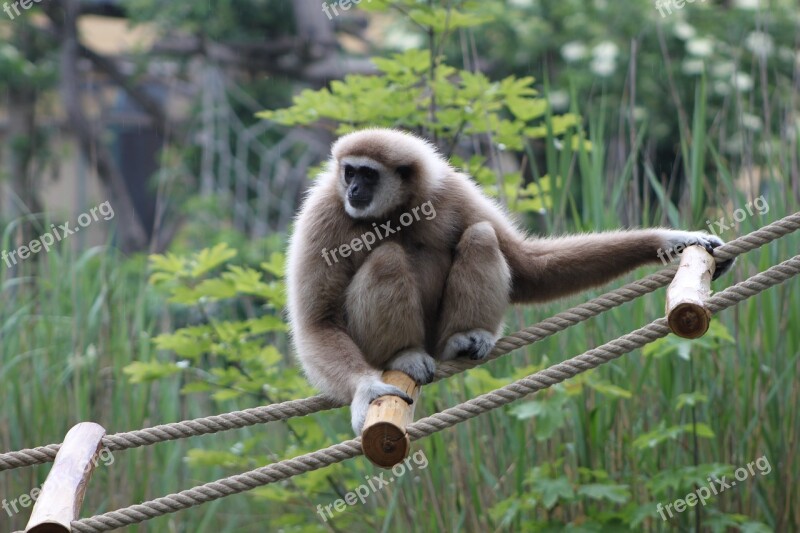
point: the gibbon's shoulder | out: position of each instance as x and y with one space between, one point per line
461 188
321 206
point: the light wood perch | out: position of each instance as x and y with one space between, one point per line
384 438
62 493
687 314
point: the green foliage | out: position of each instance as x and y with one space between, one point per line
549 487
417 90
234 356
547 412
242 360
20 72
438 99
663 434
716 336
588 43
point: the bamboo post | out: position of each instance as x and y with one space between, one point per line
686 311
62 493
384 438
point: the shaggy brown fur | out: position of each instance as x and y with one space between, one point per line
437 286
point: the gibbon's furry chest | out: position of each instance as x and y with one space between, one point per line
430 254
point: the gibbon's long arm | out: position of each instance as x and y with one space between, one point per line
333 362
545 269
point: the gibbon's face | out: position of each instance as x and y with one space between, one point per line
370 189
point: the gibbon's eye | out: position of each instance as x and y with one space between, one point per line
404 171
370 174
349 174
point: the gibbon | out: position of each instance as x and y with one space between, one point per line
372 285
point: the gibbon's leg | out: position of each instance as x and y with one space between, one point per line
476 295
385 319
385 316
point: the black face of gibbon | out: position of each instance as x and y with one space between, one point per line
361 184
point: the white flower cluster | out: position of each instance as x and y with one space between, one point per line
604 56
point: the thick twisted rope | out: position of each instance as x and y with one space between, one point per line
313 404
434 423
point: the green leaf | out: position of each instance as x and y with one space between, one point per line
663 434
608 389
684 478
187 342
197 386
548 412
210 258
209 289
167 264
265 324
717 330
414 61
226 394
276 265
440 19
754 527
600 491
145 372
199 458
527 109
690 399
553 490
479 381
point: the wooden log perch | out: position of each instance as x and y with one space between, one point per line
686 311
384 438
62 493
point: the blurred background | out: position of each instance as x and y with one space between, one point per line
178 139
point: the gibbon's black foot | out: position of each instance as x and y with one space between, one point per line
368 392
418 365
475 344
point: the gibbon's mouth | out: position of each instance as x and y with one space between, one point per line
359 203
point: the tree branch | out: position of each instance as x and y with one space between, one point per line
131 232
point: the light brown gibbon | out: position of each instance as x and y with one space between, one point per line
374 286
